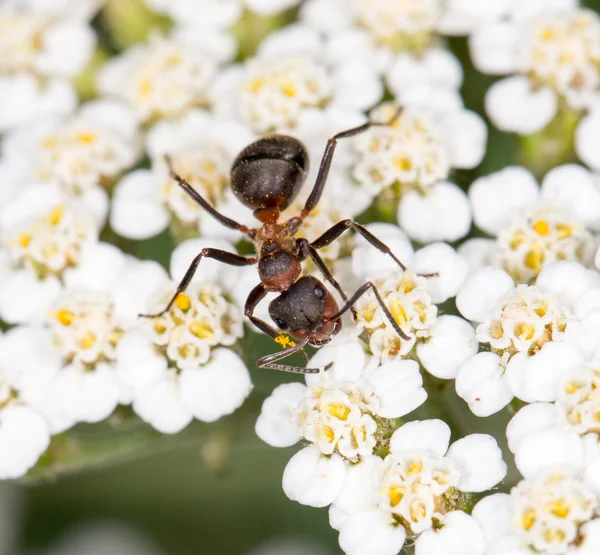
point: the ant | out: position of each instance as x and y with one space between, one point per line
266 176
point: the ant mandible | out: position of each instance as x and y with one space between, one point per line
267 176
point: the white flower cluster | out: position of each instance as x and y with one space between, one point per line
511 314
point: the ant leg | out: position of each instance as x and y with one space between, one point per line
215 254
359 293
319 185
307 250
256 295
270 360
338 229
197 197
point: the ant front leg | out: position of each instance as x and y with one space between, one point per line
338 229
270 361
327 159
198 198
359 293
215 254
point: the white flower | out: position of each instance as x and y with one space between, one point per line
178 365
43 235
82 152
27 364
288 75
535 333
442 343
586 137
164 78
39 52
202 148
413 489
554 511
535 226
412 159
342 413
554 55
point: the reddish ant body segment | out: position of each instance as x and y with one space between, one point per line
267 176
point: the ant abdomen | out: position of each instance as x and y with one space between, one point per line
268 174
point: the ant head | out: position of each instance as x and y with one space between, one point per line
268 174
301 308
278 268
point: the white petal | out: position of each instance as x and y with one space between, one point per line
467 136
399 386
436 66
539 377
100 266
591 538
494 515
587 138
529 420
217 388
549 449
360 492
24 436
138 363
114 115
493 47
513 105
348 359
370 533
567 279
460 534
480 462
67 48
277 422
314 479
432 436
442 259
357 86
87 396
159 404
441 214
24 298
137 210
139 281
482 291
496 198
477 252
450 344
481 383
560 183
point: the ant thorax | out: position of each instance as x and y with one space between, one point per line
274 233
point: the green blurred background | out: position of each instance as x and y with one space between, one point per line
218 489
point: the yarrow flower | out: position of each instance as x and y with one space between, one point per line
554 54
179 366
415 491
534 333
288 75
412 301
40 52
202 148
163 78
411 160
44 236
82 152
346 414
534 226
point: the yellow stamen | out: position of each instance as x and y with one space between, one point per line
541 227
338 411
56 215
395 493
202 331
87 340
525 331
558 508
285 341
528 519
183 302
86 138
65 317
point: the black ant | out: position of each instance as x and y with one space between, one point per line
267 176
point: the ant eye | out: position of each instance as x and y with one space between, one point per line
280 323
320 292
